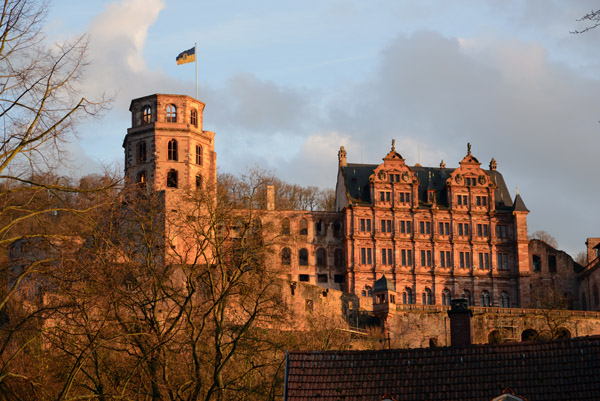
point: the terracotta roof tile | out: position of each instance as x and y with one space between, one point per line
557 370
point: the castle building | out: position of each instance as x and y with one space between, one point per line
436 233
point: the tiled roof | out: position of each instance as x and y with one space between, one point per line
555 370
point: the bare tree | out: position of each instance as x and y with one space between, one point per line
39 107
544 236
592 18
581 258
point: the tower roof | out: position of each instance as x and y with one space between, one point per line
519 205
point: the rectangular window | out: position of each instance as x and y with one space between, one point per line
365 225
552 263
444 228
502 261
465 200
479 233
369 258
484 200
460 229
362 225
425 227
388 196
485 230
445 259
425 258
537 263
480 260
321 278
404 197
405 227
363 256
406 256
501 231
386 256
381 196
465 260
487 260
386 226
463 228
478 201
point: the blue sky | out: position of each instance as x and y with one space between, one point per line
286 83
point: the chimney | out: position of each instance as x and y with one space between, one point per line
460 322
270 197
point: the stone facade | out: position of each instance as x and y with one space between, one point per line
436 233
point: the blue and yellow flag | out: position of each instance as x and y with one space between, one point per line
188 56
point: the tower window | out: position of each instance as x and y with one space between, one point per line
141 152
199 155
198 181
194 117
172 150
141 178
172 179
147 115
171 113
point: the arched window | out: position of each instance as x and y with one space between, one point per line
171 113
286 256
303 257
595 295
147 115
198 181
141 178
321 257
194 117
141 152
303 227
285 226
407 297
172 179
199 155
446 297
337 228
338 258
485 298
172 150
427 297
504 300
467 295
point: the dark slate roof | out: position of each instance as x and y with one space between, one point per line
383 284
357 183
555 370
520 205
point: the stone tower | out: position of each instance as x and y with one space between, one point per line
166 148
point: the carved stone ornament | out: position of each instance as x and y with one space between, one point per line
405 176
458 179
382 175
482 179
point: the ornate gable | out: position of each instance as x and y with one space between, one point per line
393 169
470 173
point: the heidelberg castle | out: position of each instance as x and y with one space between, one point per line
435 233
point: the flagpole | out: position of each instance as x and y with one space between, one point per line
196 62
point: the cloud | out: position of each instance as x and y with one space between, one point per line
117 39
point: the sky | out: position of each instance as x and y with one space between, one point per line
286 83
